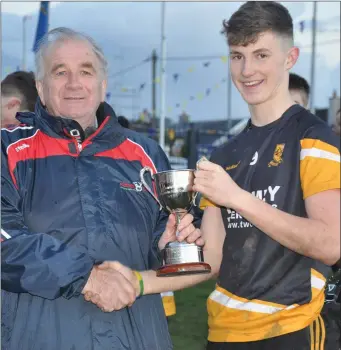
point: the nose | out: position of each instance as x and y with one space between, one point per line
248 68
73 82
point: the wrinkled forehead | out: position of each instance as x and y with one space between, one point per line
70 53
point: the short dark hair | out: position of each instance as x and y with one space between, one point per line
123 121
296 82
21 84
256 17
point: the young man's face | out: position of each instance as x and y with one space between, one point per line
260 71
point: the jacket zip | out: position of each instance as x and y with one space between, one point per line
77 139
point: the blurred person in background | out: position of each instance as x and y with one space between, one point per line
18 94
299 89
337 126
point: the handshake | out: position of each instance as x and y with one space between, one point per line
113 286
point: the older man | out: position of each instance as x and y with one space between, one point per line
71 199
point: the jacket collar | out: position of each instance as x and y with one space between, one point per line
60 127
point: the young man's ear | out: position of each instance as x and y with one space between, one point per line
292 57
14 103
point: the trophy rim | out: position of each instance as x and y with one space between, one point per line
174 170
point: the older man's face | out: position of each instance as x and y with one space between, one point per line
73 85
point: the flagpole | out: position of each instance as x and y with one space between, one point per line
24 42
163 77
312 71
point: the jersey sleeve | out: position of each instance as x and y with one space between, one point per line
319 160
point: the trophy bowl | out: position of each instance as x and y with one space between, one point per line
174 193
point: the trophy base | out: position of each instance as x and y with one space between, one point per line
192 268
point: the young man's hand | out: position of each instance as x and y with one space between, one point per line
187 232
215 184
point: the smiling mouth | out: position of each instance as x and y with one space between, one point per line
254 83
74 98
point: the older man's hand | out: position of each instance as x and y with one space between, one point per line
109 289
187 232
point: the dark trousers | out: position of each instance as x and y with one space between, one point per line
331 317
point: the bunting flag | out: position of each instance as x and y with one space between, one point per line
124 89
190 69
175 77
142 86
43 24
206 64
224 59
191 98
208 91
200 96
301 26
177 105
108 96
216 86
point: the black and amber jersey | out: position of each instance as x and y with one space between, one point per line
265 289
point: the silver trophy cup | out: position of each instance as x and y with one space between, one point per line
175 195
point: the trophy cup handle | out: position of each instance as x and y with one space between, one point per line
195 198
142 172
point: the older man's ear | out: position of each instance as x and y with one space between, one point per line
104 89
39 86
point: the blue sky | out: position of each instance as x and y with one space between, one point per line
128 32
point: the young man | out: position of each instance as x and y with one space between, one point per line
276 188
299 89
272 201
18 94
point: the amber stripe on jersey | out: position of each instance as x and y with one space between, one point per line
204 202
317 334
168 301
319 167
235 319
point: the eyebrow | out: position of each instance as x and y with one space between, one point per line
235 52
56 67
87 65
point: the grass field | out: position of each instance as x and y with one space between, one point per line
188 327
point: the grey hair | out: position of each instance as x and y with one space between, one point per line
60 34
